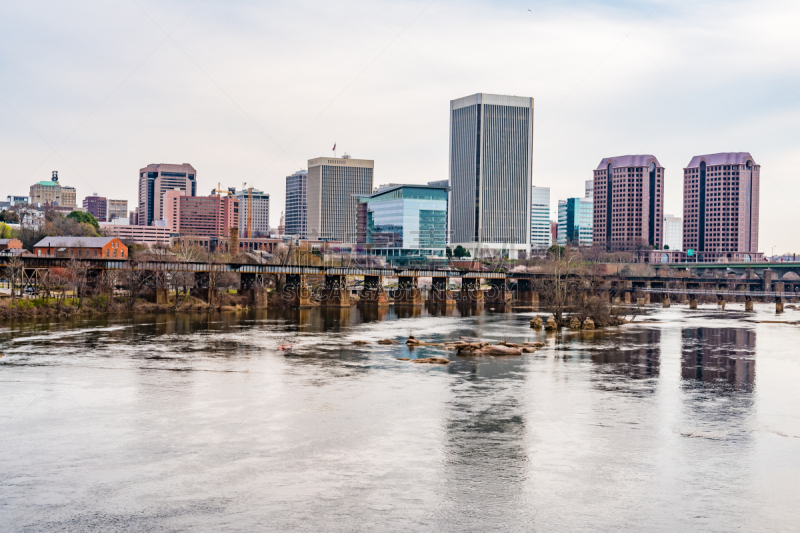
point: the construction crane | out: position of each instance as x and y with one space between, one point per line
249 234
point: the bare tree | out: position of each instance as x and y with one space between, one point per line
135 281
564 279
15 271
77 272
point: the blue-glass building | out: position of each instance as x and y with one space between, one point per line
575 221
403 222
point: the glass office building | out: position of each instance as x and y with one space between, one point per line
403 222
540 219
575 217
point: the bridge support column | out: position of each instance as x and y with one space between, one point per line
525 293
374 293
295 292
252 288
439 293
692 301
626 297
498 293
471 292
778 304
721 302
335 293
202 288
407 292
748 303
665 300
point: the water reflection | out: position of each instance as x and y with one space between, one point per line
722 357
485 439
634 354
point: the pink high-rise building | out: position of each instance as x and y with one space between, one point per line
628 203
208 216
720 206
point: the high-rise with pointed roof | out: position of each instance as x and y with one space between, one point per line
720 206
629 203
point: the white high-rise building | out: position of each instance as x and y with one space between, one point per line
673 232
541 238
259 225
491 144
333 184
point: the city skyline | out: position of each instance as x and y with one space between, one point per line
140 122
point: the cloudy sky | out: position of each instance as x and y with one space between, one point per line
249 91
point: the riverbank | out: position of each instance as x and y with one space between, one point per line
102 305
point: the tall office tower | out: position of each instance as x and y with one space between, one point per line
720 206
575 222
259 224
332 205
673 232
540 218
589 189
96 206
117 209
296 204
553 231
629 203
155 180
491 145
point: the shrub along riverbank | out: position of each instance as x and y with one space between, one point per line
103 305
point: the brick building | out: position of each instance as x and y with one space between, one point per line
81 248
200 215
97 206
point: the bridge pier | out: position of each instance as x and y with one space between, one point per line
748 303
471 292
373 293
295 292
202 288
525 294
626 297
407 292
335 292
692 301
665 300
252 288
778 304
498 293
721 301
439 293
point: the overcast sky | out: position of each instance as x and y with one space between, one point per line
249 91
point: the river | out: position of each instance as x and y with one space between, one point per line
683 420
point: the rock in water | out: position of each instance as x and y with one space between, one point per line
551 324
432 361
360 343
588 323
536 322
574 323
386 341
500 349
403 359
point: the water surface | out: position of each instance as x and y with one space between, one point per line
684 420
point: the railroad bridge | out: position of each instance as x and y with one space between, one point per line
726 281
